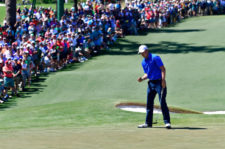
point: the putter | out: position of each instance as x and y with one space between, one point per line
156 121
157 116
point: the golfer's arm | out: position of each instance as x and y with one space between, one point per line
144 77
163 69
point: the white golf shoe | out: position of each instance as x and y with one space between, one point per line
144 126
168 125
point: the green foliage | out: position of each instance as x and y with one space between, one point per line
3 13
48 1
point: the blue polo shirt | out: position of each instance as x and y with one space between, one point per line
151 67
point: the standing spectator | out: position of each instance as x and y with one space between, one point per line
8 77
28 61
25 74
17 68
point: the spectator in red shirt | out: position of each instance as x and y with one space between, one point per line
8 77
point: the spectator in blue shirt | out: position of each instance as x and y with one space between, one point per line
155 71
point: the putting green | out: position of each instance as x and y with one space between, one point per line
120 137
75 108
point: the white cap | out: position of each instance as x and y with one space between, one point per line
142 48
78 49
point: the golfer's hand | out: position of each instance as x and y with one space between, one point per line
163 83
139 79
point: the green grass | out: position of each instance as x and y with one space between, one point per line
2 14
75 108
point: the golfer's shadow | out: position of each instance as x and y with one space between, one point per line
184 128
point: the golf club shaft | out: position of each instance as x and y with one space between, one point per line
157 115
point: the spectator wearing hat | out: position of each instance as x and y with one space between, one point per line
119 30
5 41
25 74
47 63
59 47
31 28
74 41
36 57
19 52
28 62
79 56
66 49
19 32
32 38
24 39
9 53
53 53
17 69
8 77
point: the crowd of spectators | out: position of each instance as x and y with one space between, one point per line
40 43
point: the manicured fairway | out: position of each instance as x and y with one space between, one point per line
75 108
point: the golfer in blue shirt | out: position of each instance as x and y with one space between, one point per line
155 71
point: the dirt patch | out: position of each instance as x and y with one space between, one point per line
171 109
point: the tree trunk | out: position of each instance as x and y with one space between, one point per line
10 12
75 5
